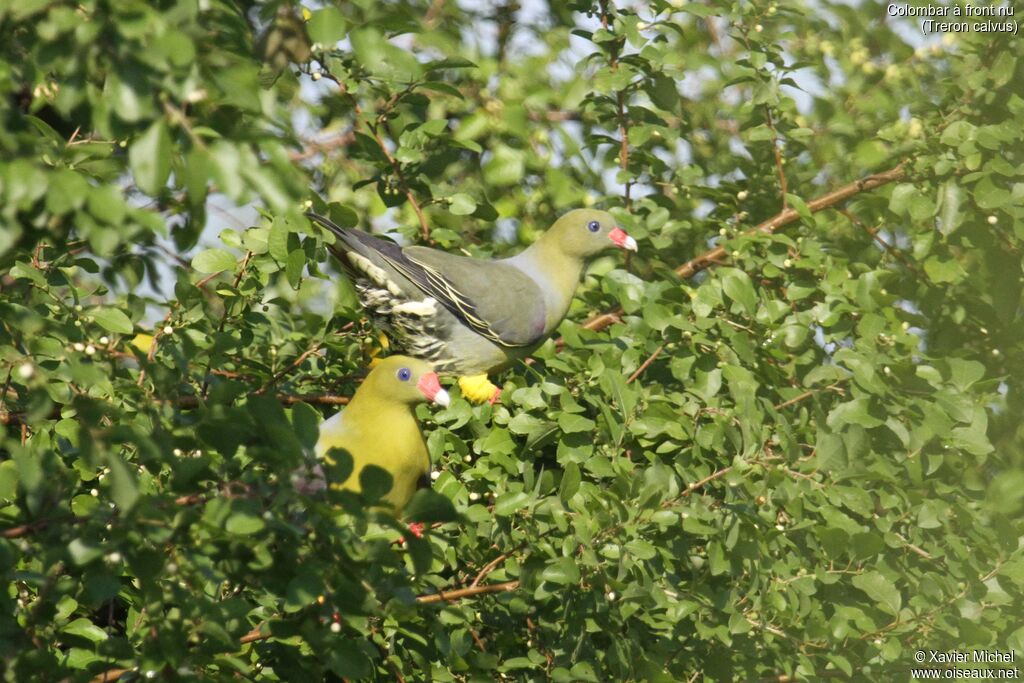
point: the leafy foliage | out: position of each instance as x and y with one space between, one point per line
800 455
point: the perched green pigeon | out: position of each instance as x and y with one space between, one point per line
470 316
378 427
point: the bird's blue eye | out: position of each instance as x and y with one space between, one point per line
593 226
404 374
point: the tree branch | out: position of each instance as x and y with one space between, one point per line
780 220
470 592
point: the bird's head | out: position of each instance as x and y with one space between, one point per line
407 380
585 232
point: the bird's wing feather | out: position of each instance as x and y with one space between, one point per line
497 301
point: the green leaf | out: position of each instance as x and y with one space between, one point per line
461 204
880 589
374 482
150 158
737 286
303 590
277 241
326 26
570 423
293 269
562 571
124 486
86 629
113 319
429 507
505 167
383 58
213 261
510 503
244 524
571 479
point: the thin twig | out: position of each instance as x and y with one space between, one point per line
488 568
458 594
782 219
646 364
294 364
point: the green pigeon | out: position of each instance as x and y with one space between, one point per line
378 427
470 316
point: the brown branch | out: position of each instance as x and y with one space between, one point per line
891 250
395 165
646 364
110 675
314 147
795 399
32 527
258 634
294 364
192 402
780 220
403 184
450 596
488 568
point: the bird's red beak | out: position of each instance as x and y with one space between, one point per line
431 388
622 239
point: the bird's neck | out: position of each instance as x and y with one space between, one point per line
557 273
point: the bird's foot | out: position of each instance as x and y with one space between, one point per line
479 389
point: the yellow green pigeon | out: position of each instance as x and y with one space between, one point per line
471 316
378 427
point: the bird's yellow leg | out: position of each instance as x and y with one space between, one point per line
479 389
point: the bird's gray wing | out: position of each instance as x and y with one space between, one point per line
495 300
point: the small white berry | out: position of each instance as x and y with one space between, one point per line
983 330
642 26
114 557
435 474
335 627
787 263
905 326
79 346
742 195
78 308
26 370
177 452
168 329
758 28
94 492
723 232
995 352
172 568
474 496
104 340
887 370
467 458
736 253
611 595
992 220
90 349
317 75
